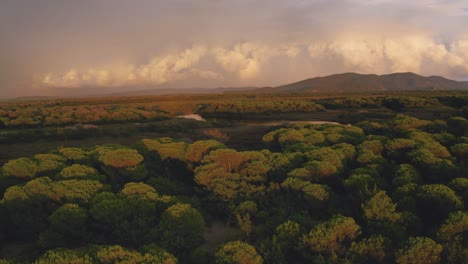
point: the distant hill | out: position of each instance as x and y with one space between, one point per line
31 98
184 91
354 82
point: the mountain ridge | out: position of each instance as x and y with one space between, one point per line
354 82
341 82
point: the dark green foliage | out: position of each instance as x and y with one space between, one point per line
128 217
370 250
436 201
240 108
419 250
392 191
64 256
181 228
458 126
404 174
453 234
118 254
67 226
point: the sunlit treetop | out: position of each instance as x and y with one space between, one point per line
63 256
139 190
118 254
23 168
121 158
197 150
42 157
328 237
73 154
167 148
77 170
403 122
237 252
79 191
380 207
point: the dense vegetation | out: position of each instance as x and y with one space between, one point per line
64 112
252 107
372 192
57 113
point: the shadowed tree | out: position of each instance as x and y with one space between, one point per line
458 126
63 256
361 186
282 163
118 254
370 250
419 250
436 201
315 194
181 228
404 174
397 148
285 242
460 186
29 206
454 236
461 151
167 157
129 216
67 227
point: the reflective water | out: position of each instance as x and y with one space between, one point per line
193 116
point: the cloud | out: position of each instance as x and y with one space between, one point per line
245 60
248 59
252 62
158 70
420 54
224 43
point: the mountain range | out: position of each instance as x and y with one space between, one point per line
354 82
336 83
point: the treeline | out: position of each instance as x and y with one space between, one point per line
241 108
80 131
396 103
391 192
64 112
37 115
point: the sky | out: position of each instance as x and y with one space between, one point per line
66 47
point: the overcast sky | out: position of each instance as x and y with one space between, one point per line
66 46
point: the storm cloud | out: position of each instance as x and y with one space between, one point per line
67 45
